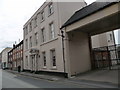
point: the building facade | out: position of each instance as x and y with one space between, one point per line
95 19
42 36
4 55
119 36
0 60
104 39
15 56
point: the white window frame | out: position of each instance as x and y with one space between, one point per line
54 64
44 59
50 9
26 41
36 38
30 41
52 30
35 22
26 30
43 35
30 26
42 16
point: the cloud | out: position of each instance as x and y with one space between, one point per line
13 15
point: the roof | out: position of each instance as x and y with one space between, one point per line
88 10
16 46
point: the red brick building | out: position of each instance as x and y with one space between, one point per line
15 56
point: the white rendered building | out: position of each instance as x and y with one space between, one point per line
43 50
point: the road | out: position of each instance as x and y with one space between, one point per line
10 80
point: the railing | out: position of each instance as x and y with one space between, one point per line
107 57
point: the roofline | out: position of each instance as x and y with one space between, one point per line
5 49
16 46
34 14
112 3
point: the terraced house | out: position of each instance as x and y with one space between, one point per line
15 56
43 48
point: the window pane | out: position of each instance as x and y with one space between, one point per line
30 27
52 32
36 38
44 59
42 15
30 41
53 57
50 8
43 35
35 22
26 43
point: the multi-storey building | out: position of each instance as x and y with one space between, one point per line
94 19
16 56
104 39
42 41
0 59
10 59
119 36
4 55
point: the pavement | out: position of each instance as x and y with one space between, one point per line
108 76
96 77
45 77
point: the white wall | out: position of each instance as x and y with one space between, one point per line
79 53
5 55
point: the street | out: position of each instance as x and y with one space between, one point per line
10 80
17 81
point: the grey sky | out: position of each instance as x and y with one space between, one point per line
13 15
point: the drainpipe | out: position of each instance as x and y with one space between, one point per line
62 35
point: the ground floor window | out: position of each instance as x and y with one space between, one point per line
53 57
44 58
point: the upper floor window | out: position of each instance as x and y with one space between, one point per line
26 43
50 9
42 16
111 38
35 22
43 34
30 41
36 38
26 30
30 27
52 31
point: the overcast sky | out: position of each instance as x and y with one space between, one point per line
13 15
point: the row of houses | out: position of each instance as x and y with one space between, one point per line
59 37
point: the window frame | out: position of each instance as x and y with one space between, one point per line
30 26
50 9
26 41
53 60
43 35
30 41
44 59
42 15
51 30
36 38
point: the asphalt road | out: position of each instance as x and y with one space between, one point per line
9 80
17 81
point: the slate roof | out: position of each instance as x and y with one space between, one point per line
88 10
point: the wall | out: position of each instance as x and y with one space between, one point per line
5 55
79 52
58 18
